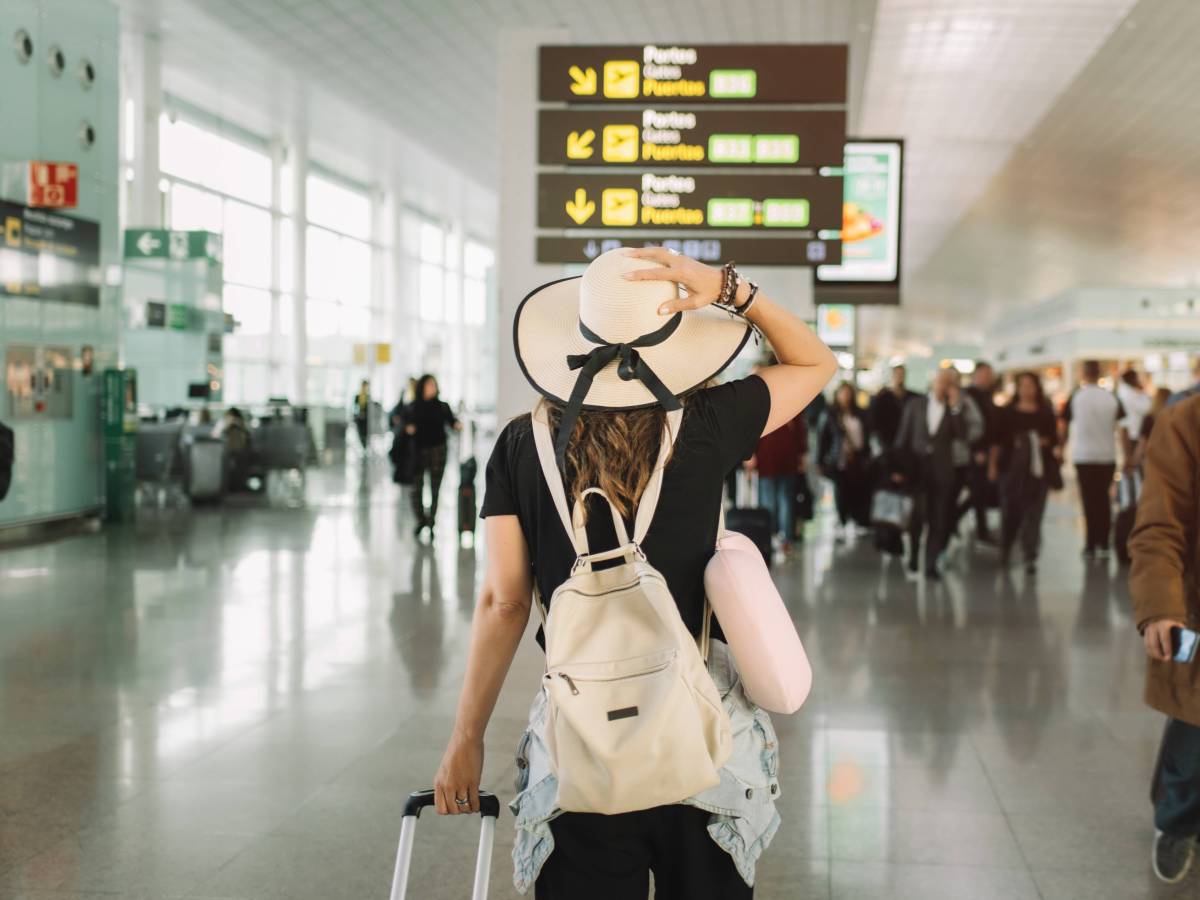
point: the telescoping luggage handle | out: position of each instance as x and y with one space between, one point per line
489 811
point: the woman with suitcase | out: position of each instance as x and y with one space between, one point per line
425 421
624 362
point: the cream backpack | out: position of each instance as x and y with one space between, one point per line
635 720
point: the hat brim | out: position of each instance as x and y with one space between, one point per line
546 331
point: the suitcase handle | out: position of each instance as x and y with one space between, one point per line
489 810
489 804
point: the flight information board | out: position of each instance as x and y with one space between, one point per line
662 136
694 73
47 255
765 251
646 200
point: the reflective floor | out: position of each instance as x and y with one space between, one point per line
232 704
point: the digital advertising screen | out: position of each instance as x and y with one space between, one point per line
871 215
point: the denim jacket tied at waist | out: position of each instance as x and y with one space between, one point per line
743 820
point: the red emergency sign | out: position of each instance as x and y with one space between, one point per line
53 184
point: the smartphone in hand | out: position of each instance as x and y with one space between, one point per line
1184 643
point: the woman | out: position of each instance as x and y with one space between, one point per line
426 420
670 347
1025 462
1161 398
362 414
842 447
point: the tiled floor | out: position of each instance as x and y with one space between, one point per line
233 704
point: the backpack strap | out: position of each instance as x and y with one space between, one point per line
544 442
545 451
649 499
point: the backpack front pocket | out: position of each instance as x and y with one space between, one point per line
626 735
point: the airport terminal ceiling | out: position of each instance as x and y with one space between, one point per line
997 102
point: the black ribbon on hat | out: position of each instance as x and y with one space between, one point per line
631 367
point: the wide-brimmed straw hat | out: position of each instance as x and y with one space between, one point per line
598 339
598 342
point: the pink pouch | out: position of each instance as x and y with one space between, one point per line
770 658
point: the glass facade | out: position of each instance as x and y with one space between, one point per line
433 312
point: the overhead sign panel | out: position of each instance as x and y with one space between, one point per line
46 255
871 216
694 73
765 251
646 200
767 139
159 243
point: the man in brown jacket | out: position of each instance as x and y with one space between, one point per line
1165 547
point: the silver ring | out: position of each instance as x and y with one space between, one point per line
461 802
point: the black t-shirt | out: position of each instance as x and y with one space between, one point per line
721 428
1013 425
431 418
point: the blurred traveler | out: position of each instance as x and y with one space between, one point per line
7 455
233 429
779 461
426 420
1193 390
933 431
814 412
362 413
1136 402
886 408
1024 462
1160 401
1091 420
980 496
706 844
1166 551
843 443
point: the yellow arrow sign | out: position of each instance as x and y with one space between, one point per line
583 81
579 146
581 208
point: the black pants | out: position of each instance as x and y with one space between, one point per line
611 857
1176 790
1095 482
852 495
431 460
979 488
360 425
933 511
1022 507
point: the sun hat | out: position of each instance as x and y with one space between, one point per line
596 341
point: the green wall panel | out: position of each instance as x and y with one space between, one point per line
59 459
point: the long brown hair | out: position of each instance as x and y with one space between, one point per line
614 451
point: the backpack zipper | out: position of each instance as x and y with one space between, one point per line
651 671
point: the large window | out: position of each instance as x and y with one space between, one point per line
424 289
224 164
220 183
451 306
342 310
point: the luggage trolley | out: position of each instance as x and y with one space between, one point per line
489 812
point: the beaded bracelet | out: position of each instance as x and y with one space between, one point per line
729 286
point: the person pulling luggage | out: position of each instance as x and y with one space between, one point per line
631 432
425 420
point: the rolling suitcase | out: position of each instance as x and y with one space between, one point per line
1129 491
489 811
468 509
206 469
749 519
